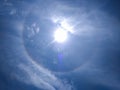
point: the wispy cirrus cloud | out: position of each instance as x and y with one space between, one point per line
36 75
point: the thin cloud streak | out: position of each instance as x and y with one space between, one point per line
34 74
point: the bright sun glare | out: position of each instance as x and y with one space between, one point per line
60 35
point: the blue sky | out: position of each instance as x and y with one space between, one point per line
32 59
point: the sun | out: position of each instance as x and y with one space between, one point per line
60 35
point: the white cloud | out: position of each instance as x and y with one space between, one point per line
41 78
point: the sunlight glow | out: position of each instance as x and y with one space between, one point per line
60 35
63 29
